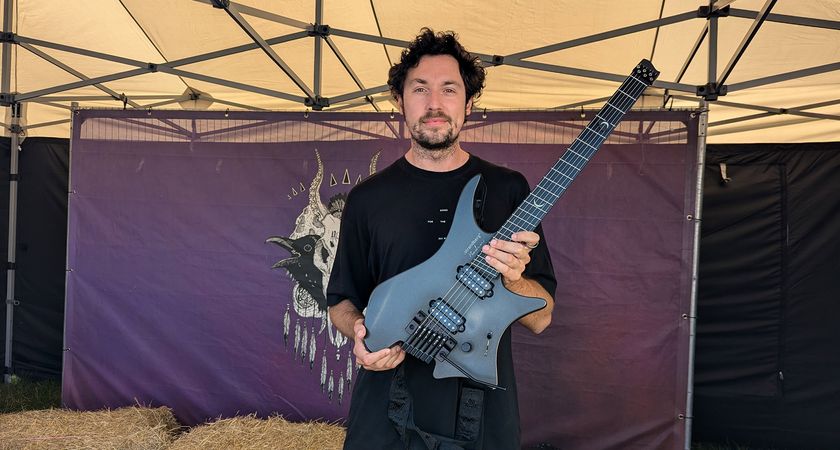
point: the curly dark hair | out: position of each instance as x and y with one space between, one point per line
444 43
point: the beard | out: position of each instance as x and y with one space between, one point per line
434 139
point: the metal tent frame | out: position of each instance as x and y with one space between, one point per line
310 96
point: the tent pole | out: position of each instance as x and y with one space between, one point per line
702 128
8 14
801 73
5 85
713 48
316 73
742 47
234 14
14 130
682 17
788 19
75 73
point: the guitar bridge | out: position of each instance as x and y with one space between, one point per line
429 335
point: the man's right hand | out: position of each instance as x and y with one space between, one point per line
384 359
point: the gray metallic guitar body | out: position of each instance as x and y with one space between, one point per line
396 307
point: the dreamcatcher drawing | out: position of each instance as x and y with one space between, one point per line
307 329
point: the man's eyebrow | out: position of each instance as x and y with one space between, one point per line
445 83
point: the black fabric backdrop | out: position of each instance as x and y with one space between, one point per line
767 366
41 253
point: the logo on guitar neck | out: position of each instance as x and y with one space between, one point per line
474 247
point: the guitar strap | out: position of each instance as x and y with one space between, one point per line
478 202
468 424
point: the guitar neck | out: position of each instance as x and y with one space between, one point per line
531 211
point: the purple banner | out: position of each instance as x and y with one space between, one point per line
200 242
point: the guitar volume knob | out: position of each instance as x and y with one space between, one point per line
466 347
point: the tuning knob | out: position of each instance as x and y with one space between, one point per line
466 347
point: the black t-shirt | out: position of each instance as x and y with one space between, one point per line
391 222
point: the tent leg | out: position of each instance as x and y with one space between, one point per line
5 84
14 130
692 314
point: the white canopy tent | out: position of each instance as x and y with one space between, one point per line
779 60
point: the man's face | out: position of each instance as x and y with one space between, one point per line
434 102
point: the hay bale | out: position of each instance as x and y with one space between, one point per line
125 428
274 433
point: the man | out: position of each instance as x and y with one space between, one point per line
398 218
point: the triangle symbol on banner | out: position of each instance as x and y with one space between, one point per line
346 179
333 181
359 180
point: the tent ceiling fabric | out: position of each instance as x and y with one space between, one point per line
165 31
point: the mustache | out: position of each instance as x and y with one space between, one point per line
438 115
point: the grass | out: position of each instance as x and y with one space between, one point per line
24 395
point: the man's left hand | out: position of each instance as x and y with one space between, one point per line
509 258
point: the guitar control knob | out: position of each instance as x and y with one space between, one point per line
466 347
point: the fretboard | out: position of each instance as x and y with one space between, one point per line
552 186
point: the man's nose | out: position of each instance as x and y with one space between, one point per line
434 101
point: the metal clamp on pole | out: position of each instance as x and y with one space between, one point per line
318 103
319 30
708 12
711 91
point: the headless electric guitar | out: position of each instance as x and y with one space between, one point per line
453 308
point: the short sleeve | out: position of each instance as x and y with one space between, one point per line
540 269
350 276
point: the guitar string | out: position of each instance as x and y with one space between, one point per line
465 297
462 294
526 205
465 293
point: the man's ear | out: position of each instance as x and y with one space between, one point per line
399 101
468 109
